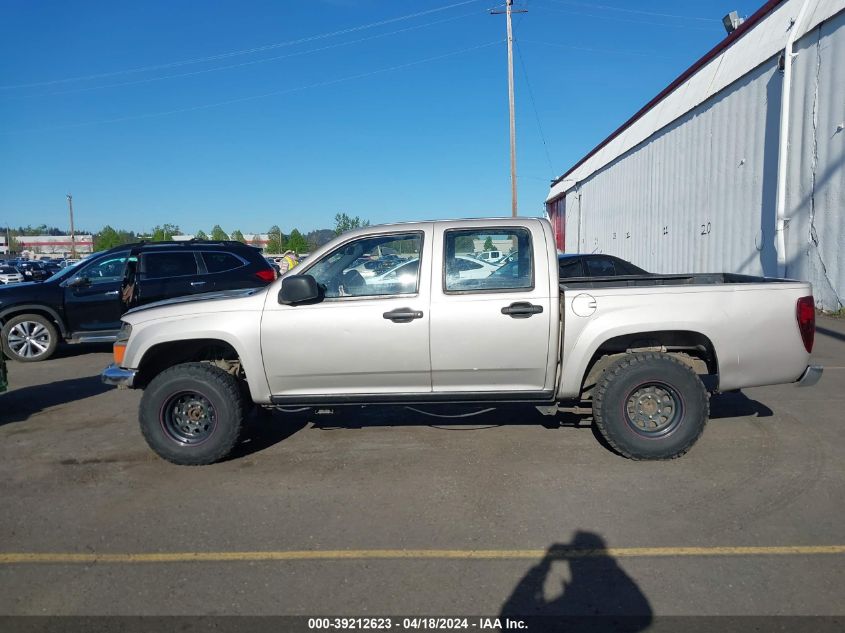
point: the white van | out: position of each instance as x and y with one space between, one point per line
491 257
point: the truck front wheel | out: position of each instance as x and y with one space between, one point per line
192 414
650 406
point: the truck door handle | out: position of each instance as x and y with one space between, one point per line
521 310
403 315
111 293
194 284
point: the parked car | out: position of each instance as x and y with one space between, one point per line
51 266
4 380
463 267
10 275
644 360
274 265
595 265
491 257
370 268
403 276
83 303
33 270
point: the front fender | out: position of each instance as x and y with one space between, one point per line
241 333
24 308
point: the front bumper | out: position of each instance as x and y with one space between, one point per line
810 376
114 375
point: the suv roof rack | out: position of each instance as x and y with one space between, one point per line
190 242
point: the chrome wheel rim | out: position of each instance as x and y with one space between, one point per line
654 410
189 418
29 339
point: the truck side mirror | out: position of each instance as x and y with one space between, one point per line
297 289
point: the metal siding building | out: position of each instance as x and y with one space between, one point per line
689 184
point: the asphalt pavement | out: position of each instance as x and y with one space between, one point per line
389 511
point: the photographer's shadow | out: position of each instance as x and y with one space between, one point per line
599 595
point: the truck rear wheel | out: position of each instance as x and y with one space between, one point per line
650 406
192 414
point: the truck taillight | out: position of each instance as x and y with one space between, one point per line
267 274
806 315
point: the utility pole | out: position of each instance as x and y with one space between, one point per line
508 11
72 238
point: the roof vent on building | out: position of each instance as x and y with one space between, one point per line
731 21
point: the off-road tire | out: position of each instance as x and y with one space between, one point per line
625 395
49 332
212 385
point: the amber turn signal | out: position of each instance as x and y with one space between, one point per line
118 351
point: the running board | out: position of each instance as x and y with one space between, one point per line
107 336
503 397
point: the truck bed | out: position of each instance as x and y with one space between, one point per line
687 279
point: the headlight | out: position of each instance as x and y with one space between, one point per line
119 347
125 332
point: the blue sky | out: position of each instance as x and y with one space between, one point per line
348 105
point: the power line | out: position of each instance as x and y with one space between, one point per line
628 20
639 11
263 95
251 62
534 106
618 51
246 51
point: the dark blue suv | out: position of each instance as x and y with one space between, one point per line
84 302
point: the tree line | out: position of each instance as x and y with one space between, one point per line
278 241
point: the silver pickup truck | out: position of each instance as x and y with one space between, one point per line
406 314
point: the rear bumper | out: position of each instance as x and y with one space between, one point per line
114 375
810 376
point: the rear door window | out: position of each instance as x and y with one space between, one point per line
463 273
570 267
600 267
169 264
221 262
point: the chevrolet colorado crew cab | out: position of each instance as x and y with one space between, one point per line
642 352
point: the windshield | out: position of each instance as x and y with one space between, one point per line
71 269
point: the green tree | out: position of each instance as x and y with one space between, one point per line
14 245
218 234
464 244
165 232
488 244
297 242
200 235
107 238
238 236
275 240
319 237
344 223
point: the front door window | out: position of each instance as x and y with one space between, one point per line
384 265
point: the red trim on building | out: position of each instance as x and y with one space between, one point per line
24 242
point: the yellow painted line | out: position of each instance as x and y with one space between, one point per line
19 558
